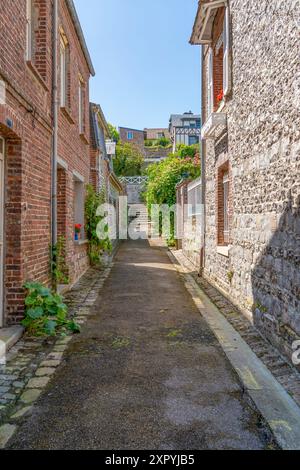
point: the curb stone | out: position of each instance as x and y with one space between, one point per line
6 432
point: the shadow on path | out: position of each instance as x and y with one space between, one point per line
276 282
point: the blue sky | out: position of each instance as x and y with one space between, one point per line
146 69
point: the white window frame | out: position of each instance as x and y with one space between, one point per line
29 30
130 133
193 206
79 198
63 73
226 55
210 83
81 107
226 207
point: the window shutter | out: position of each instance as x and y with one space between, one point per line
29 30
226 206
34 26
226 58
81 108
68 79
62 74
210 91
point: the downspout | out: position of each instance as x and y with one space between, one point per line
203 173
55 126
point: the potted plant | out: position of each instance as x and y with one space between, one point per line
220 96
77 231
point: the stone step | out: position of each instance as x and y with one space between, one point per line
8 338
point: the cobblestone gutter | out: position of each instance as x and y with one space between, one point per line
32 361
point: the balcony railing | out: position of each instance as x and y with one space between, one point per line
214 127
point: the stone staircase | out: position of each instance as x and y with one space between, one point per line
139 219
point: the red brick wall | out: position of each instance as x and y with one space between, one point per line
74 148
28 150
25 123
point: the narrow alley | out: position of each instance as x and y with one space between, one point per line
146 372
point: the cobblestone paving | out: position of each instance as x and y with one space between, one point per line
286 375
32 361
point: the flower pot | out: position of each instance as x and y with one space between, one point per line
76 236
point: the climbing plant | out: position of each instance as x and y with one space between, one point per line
96 246
184 151
128 160
163 178
59 268
113 133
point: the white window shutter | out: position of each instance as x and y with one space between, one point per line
28 29
62 74
80 108
226 57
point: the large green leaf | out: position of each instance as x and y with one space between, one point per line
35 313
44 292
31 300
31 286
73 326
50 327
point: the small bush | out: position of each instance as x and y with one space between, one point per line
46 314
184 151
163 142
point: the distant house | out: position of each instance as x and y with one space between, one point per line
156 133
185 129
138 138
132 136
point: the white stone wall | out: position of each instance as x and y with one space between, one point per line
191 242
264 151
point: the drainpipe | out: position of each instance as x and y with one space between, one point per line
203 172
55 126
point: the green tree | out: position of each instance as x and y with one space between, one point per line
163 178
128 160
163 142
183 151
113 133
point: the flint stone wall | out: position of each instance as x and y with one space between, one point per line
264 154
